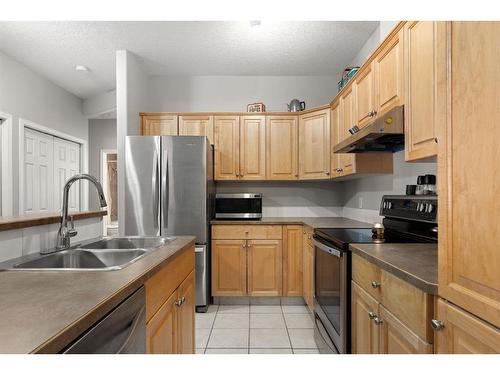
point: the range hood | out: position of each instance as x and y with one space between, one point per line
385 134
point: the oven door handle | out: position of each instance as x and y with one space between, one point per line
327 249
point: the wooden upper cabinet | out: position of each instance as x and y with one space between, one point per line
264 267
229 263
282 147
397 338
292 260
197 125
425 69
389 75
253 147
162 329
186 318
463 333
364 331
469 174
159 124
314 145
335 162
227 147
364 89
346 122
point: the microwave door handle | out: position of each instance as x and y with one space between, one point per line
327 249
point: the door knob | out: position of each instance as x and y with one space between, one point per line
437 325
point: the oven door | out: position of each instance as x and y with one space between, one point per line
330 292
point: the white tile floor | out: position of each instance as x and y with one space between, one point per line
255 329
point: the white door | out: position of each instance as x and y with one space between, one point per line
38 172
66 165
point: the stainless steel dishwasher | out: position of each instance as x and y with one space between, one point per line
122 331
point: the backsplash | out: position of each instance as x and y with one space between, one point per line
19 242
292 198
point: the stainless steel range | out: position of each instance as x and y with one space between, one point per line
407 219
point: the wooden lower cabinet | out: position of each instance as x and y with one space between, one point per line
264 268
186 317
308 282
161 330
170 306
463 333
397 338
364 332
229 268
293 259
171 329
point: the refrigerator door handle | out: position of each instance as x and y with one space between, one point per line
155 189
164 194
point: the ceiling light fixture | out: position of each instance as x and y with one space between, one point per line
82 68
254 23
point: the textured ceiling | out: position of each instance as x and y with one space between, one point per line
181 48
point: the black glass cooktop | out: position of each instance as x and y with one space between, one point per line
342 237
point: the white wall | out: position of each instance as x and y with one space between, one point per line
102 135
292 198
131 98
383 29
99 104
27 95
233 93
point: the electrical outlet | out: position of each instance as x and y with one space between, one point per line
360 202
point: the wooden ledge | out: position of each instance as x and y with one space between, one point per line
25 221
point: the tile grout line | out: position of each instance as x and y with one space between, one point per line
287 333
211 329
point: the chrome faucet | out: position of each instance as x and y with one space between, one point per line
64 235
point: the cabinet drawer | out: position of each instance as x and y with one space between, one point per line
367 275
411 305
164 282
253 232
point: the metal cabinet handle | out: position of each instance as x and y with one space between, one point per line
378 321
178 303
327 173
372 315
437 325
372 113
237 175
183 299
375 285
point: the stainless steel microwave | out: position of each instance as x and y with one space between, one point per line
238 206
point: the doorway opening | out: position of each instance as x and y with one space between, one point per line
109 178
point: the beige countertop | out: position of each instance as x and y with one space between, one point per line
415 263
44 311
314 222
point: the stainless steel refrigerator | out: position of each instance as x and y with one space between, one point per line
169 191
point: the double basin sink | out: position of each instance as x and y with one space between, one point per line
107 254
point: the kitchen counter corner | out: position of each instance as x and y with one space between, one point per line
415 263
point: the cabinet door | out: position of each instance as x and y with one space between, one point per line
425 69
314 145
282 147
264 267
197 125
292 260
463 333
397 338
253 147
389 76
364 331
365 96
159 125
469 159
335 138
227 147
161 330
229 268
347 122
186 315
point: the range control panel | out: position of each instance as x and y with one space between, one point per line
410 207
